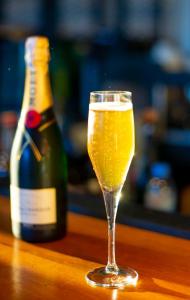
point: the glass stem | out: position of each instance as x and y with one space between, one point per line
111 199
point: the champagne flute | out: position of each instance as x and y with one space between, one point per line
111 145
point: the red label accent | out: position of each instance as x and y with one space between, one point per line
33 119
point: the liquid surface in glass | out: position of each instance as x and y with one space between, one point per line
111 141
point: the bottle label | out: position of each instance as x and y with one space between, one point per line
33 206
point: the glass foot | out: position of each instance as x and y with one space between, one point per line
122 278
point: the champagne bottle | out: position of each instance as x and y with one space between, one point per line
38 164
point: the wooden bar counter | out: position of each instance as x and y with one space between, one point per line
57 270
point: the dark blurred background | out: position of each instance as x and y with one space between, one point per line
137 45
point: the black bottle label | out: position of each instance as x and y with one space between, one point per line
36 121
35 125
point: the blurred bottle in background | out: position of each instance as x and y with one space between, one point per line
185 200
60 78
160 191
146 122
77 19
138 23
20 17
8 123
173 134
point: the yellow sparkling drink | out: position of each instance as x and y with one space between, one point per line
111 141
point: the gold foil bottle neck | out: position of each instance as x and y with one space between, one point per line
36 50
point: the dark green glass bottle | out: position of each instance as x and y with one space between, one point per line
38 167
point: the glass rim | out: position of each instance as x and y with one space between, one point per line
111 92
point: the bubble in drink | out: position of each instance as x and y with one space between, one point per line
111 141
